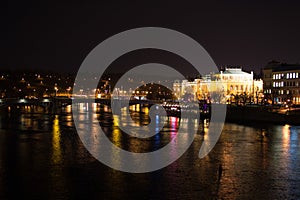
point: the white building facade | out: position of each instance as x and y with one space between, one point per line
228 86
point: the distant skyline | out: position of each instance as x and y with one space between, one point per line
57 36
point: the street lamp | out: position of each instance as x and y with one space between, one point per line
68 90
56 89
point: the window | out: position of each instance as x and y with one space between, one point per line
287 75
273 76
294 75
273 84
297 75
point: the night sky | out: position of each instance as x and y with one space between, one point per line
56 36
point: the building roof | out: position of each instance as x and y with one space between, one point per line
286 67
234 71
276 66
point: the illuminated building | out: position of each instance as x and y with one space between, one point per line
282 83
230 85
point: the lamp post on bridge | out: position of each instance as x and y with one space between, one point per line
55 89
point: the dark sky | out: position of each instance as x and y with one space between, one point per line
56 36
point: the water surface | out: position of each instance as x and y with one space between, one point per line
42 157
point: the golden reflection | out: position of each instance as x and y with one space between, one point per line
116 139
146 110
69 120
286 138
94 106
136 107
132 107
68 109
56 148
228 163
116 120
57 174
105 108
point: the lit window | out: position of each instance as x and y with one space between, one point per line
282 84
273 84
297 75
287 92
276 84
287 75
294 75
273 76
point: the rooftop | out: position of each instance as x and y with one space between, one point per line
277 66
234 71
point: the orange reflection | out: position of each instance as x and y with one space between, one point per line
146 110
68 109
286 138
56 148
116 139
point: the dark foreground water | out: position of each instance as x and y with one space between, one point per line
41 157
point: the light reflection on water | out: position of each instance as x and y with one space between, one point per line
41 156
56 139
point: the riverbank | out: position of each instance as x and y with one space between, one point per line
243 114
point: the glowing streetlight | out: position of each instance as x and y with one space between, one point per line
68 91
56 89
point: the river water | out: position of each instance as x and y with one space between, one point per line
42 157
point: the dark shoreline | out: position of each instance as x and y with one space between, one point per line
262 114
